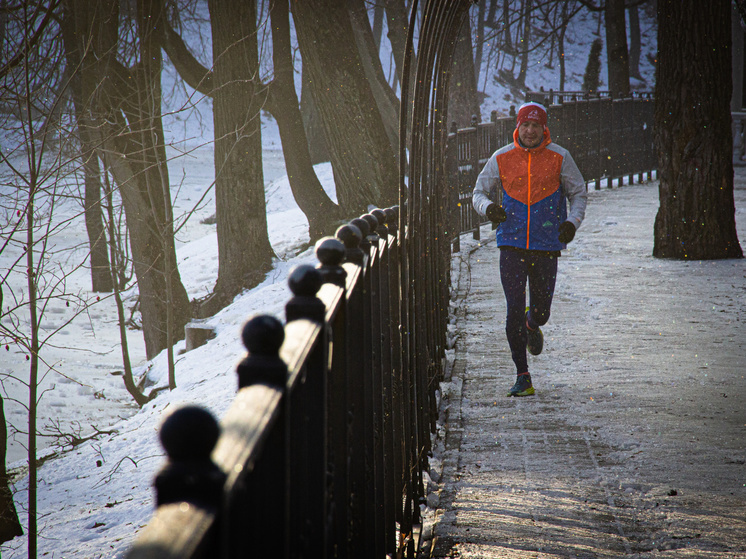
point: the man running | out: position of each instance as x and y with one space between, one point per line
524 188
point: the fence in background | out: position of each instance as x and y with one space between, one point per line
609 139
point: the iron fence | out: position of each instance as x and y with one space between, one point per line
323 450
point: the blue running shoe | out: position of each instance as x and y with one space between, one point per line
522 386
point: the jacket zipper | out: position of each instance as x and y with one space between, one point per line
528 221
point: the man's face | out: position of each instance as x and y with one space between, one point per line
531 133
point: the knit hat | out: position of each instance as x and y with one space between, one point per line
531 111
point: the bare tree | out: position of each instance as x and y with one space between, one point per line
617 54
364 163
696 218
463 102
35 173
124 100
278 96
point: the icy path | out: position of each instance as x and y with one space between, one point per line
635 443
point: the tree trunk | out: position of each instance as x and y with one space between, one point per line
10 527
507 38
398 24
616 48
561 47
479 50
462 92
100 276
696 218
126 125
310 196
386 99
378 14
99 259
526 43
635 46
312 124
364 164
244 251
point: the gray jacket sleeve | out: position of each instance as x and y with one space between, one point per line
488 188
573 185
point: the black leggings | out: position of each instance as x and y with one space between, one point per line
540 269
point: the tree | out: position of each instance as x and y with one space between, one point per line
386 99
74 53
124 103
279 98
635 42
593 67
463 102
321 212
239 178
364 163
696 218
617 55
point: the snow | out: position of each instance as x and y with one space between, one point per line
93 498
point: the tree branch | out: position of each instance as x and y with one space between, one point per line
189 68
19 56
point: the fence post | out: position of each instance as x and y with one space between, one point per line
188 436
259 503
307 423
331 253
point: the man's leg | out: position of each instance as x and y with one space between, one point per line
542 277
513 275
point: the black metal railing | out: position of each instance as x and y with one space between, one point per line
609 139
322 453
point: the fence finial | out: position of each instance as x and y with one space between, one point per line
351 237
382 229
364 228
331 253
373 225
392 219
304 281
188 435
262 335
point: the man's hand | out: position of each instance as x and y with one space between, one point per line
566 232
495 213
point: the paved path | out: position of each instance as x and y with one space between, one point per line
635 443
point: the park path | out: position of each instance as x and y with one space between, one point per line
635 443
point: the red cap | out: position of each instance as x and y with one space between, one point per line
531 111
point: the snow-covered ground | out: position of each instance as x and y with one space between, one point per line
94 498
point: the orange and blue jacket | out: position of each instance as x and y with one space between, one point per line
533 185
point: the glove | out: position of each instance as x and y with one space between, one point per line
566 232
495 213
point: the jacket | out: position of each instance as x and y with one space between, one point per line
533 185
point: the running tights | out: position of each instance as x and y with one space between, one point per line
540 270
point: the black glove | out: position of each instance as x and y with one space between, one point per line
566 232
495 213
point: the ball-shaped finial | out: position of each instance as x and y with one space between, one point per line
263 335
380 215
189 433
330 251
350 235
362 225
372 223
304 280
